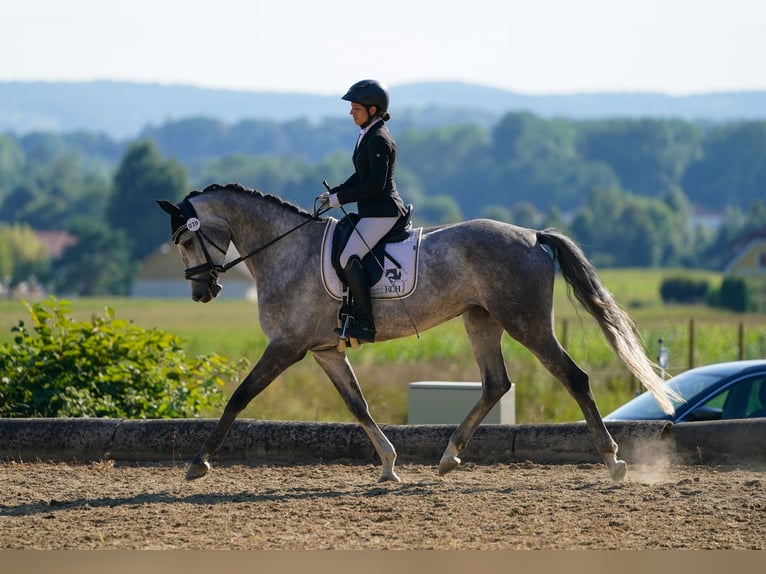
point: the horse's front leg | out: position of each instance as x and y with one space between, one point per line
275 359
341 374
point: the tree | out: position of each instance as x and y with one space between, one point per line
732 169
450 161
52 181
628 230
537 161
498 213
22 255
553 218
681 240
526 215
291 179
648 156
98 264
12 161
142 177
193 139
436 210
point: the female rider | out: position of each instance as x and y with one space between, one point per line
373 189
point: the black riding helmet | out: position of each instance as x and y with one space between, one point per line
369 93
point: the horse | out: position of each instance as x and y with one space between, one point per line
497 276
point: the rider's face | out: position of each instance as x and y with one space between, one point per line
360 114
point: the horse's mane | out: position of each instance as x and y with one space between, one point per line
239 188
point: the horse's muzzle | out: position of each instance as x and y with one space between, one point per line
205 292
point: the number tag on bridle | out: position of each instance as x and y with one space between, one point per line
192 224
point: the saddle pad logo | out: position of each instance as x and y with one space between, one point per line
396 282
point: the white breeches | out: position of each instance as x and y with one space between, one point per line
369 230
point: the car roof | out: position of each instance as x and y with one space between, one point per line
730 367
724 373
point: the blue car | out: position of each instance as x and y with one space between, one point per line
721 391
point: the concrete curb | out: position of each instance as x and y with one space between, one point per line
731 442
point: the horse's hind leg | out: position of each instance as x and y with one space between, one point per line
575 380
485 334
341 374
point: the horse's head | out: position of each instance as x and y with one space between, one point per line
202 263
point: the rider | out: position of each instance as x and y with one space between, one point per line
373 188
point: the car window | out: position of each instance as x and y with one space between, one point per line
743 398
756 403
710 410
718 401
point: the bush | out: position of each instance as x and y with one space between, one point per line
104 368
735 294
683 290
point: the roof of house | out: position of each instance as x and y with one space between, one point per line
55 242
742 247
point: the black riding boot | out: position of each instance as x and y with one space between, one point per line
362 327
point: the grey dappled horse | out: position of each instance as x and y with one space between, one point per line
497 276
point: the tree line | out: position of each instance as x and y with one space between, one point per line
626 189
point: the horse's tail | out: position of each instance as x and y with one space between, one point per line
618 327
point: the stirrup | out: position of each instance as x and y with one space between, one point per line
343 344
344 341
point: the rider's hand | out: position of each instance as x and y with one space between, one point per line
329 199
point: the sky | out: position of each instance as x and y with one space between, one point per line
675 47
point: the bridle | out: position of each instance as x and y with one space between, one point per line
190 222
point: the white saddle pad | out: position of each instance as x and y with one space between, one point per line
394 283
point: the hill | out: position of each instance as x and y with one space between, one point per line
123 109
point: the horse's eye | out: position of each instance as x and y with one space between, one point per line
187 243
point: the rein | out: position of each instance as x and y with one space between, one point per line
192 223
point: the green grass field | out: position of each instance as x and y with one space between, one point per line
231 328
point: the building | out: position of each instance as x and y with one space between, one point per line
748 257
161 275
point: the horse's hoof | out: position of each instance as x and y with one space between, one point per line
618 470
197 470
389 476
447 464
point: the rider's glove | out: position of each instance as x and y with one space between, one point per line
329 200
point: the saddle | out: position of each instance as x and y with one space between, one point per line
374 261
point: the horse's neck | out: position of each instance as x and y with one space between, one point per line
261 225
253 220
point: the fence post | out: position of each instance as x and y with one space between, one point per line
741 340
692 343
663 356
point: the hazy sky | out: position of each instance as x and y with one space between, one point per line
322 46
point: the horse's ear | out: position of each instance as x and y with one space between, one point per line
169 207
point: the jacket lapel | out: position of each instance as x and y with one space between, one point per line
374 128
